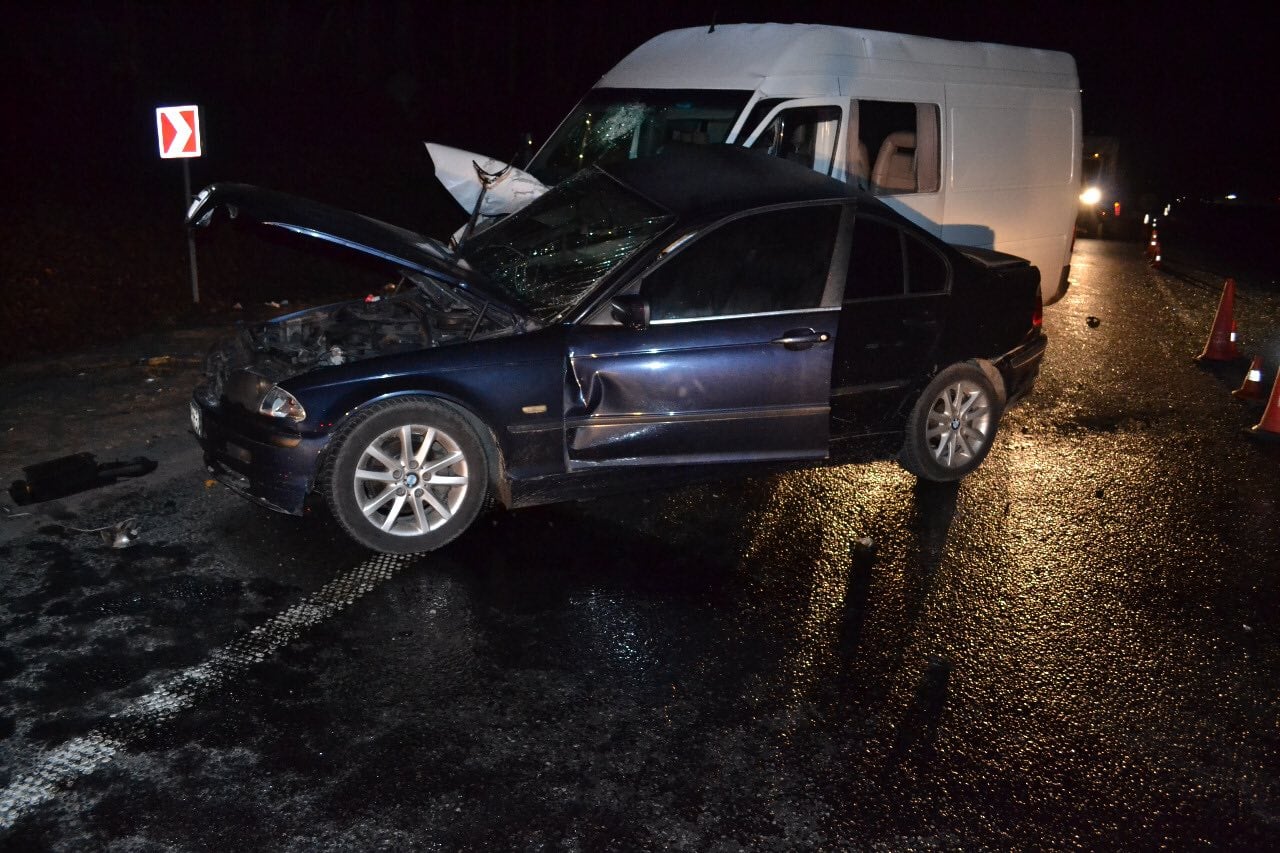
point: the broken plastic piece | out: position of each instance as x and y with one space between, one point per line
68 475
55 479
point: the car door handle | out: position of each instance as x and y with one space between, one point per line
926 323
801 338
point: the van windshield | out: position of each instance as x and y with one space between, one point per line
610 125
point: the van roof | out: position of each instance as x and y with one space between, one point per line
743 56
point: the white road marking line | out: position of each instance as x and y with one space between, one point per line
57 770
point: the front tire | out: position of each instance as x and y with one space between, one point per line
952 426
408 476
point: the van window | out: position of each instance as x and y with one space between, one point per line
902 146
773 261
804 135
762 108
611 125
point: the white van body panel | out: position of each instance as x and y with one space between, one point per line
752 56
1010 117
1008 121
456 171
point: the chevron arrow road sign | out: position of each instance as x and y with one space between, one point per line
178 129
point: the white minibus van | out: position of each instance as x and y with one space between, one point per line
978 143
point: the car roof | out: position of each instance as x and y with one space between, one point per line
705 181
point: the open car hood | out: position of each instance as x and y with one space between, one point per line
398 246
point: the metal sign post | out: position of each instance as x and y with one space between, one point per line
191 240
178 130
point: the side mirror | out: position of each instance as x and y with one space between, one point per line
631 310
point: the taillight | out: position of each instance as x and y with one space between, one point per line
1037 316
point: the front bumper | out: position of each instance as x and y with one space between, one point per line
273 467
1020 366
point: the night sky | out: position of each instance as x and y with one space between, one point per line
333 99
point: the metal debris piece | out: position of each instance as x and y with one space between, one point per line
122 534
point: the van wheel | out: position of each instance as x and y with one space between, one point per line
408 476
952 426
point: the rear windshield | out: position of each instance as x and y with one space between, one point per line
548 256
622 124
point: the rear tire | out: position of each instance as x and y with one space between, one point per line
952 426
408 475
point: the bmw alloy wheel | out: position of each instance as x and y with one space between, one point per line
959 424
411 480
409 474
953 424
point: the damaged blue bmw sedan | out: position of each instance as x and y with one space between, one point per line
708 305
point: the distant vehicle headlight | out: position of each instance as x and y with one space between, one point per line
279 403
1092 195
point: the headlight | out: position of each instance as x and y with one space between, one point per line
1092 195
279 403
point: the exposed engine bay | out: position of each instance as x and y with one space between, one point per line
426 314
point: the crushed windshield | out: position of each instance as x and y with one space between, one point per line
547 256
622 124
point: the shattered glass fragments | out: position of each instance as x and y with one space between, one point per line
549 255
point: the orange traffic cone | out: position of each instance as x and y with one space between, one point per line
1154 255
1269 427
1221 345
1251 388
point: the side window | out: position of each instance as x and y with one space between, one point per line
774 261
926 270
804 135
762 108
875 261
899 143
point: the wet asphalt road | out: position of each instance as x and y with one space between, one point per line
1077 647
